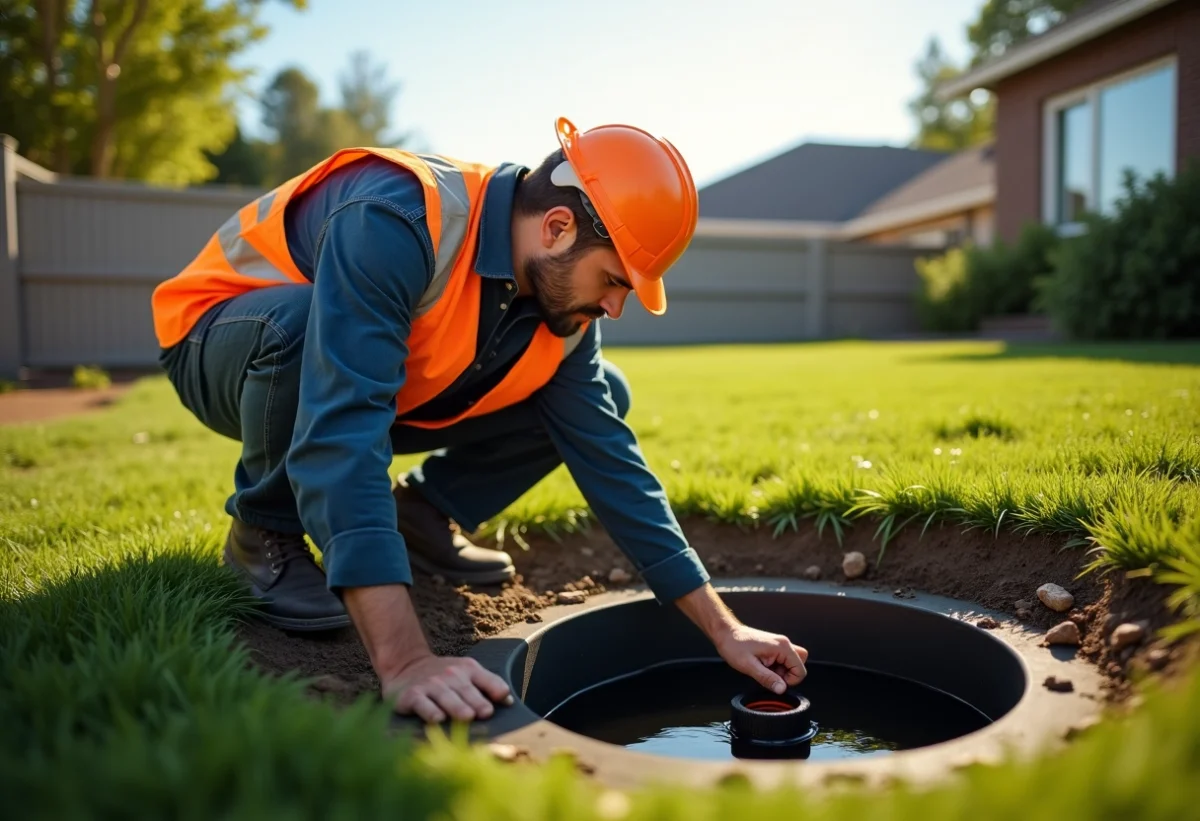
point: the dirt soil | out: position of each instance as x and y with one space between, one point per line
44 404
972 566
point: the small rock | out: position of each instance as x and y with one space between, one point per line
439 580
620 575
1066 633
1023 604
587 551
1055 597
533 618
1058 685
585 583
987 623
1079 618
508 752
854 565
758 568
1127 635
1024 614
571 597
812 572
1158 658
1113 669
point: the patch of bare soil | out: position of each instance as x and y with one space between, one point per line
972 566
44 404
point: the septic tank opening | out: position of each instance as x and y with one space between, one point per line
883 677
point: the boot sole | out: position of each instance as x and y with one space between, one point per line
463 577
305 625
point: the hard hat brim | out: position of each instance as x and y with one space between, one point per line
650 292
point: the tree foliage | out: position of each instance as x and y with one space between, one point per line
124 88
1000 25
948 126
303 132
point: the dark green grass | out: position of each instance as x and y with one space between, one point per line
124 693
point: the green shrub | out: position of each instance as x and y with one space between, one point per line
6 386
1135 274
943 301
90 377
1003 277
964 285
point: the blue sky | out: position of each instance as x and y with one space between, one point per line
729 83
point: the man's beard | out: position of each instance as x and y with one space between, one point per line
551 280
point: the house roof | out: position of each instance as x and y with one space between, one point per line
1088 23
815 182
967 169
959 182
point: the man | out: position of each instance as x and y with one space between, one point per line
385 302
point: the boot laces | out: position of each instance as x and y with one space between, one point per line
284 547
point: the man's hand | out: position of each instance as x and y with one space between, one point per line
412 677
771 660
436 688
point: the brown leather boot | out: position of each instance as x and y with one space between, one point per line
282 573
437 546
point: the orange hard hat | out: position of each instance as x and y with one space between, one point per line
640 191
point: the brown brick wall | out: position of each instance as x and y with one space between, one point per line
1174 29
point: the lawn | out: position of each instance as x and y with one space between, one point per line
123 689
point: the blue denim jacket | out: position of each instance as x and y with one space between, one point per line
361 237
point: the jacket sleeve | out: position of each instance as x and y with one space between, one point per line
602 454
373 263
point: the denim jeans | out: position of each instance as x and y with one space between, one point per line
238 372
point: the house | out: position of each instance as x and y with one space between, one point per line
1115 86
873 194
947 204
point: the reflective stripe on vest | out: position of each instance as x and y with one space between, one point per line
250 251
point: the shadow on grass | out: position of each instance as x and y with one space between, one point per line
1163 353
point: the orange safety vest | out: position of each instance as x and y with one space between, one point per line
250 251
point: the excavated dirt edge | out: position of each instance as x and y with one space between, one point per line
971 566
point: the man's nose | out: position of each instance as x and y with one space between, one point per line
614 303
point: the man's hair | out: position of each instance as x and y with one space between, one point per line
537 195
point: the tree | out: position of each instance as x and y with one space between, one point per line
242 162
367 97
948 126
1000 25
305 133
126 88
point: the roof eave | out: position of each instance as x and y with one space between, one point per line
765 229
1051 44
915 213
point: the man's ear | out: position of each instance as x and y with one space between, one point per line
558 229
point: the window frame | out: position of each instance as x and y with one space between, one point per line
1090 94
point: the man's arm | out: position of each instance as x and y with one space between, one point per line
606 462
602 454
371 268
